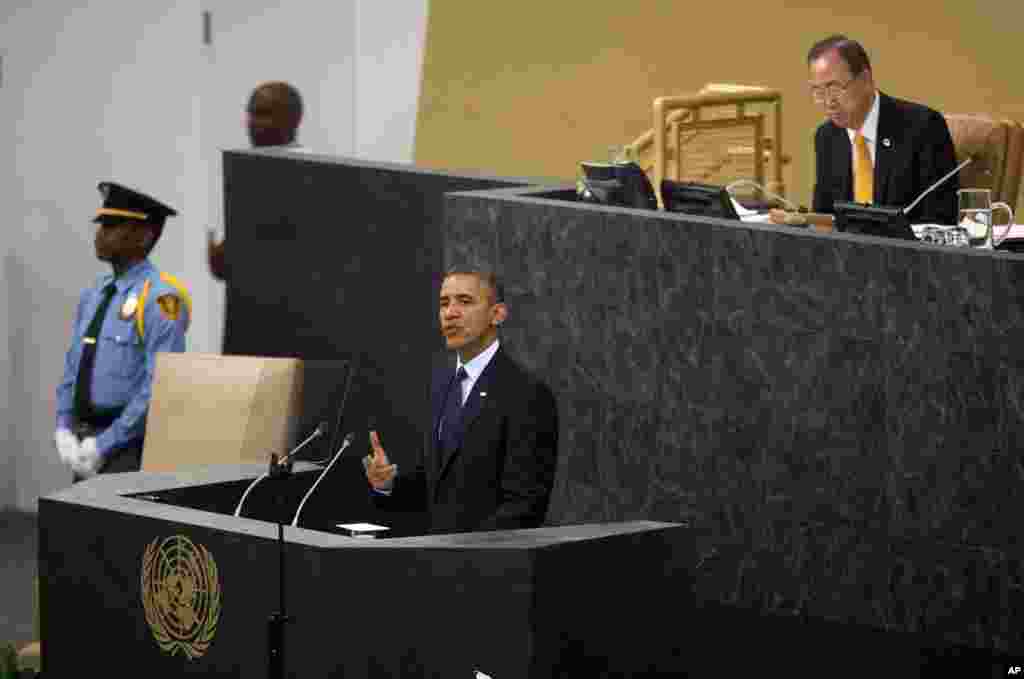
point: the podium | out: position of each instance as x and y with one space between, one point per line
150 571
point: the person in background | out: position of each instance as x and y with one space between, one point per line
121 322
273 115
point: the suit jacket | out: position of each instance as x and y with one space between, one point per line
501 475
914 149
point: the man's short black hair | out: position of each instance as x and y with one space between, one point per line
294 101
851 51
485 275
288 95
282 94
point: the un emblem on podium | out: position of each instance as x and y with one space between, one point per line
181 595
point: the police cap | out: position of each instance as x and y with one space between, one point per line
120 202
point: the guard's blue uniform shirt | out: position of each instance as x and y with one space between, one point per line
124 364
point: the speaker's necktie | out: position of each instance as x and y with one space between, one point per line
83 385
451 420
864 171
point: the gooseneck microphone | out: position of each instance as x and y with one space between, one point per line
279 467
937 184
238 509
321 430
337 456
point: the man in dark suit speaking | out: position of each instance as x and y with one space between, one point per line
874 148
488 458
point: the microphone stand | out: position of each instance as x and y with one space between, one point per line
279 618
344 444
281 470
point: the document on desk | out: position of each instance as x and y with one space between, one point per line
747 215
1016 232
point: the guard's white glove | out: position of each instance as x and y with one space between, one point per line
87 462
67 445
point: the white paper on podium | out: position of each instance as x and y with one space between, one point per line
361 527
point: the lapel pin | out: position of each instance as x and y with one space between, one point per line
887 142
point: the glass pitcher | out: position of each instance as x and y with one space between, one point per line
975 217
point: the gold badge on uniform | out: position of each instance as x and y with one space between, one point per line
170 306
129 307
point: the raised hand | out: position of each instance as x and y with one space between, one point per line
379 470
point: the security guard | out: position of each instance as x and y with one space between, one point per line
120 325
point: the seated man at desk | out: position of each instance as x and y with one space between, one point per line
488 458
874 148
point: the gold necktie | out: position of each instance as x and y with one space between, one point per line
863 175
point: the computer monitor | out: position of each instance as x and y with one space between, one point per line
694 198
622 184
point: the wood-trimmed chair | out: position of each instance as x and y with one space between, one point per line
716 136
997 147
1013 184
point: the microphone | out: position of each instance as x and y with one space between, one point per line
321 430
238 509
937 184
337 456
279 468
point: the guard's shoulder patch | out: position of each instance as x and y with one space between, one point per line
170 306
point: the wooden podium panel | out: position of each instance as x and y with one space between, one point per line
208 409
131 583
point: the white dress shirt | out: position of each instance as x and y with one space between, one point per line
476 367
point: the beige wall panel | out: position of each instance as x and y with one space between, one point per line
530 88
212 409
